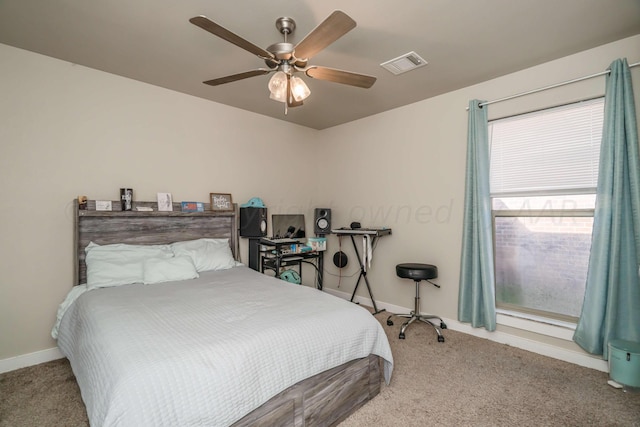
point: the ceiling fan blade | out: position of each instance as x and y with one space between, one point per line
217 30
340 76
331 29
291 102
236 77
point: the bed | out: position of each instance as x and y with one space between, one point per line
222 345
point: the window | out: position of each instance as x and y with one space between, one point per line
544 169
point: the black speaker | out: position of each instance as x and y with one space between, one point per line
322 221
253 222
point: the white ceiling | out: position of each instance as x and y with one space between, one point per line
464 41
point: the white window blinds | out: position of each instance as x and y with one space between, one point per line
552 151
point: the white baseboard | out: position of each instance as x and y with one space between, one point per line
575 357
566 355
22 361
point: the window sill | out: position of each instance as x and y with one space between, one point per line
537 324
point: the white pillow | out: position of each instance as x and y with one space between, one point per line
119 264
123 251
158 270
103 274
207 254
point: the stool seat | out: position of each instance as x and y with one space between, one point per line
417 271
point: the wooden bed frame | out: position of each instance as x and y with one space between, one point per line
324 399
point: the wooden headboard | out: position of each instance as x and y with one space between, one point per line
147 228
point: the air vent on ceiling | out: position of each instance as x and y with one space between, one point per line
402 64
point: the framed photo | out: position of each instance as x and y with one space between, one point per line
165 202
221 202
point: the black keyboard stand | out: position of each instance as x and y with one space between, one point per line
374 234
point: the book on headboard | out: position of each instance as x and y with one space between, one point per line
192 206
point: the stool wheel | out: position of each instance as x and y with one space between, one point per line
401 336
443 325
389 321
440 338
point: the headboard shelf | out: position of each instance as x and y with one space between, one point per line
152 213
177 210
147 228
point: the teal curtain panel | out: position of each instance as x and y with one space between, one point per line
476 301
611 308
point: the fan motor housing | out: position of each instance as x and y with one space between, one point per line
282 51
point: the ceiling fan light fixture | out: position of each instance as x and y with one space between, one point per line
286 58
278 87
299 89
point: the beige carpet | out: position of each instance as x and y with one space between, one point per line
465 381
469 381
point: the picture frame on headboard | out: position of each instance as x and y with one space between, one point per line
165 202
221 202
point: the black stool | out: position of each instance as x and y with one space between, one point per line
418 272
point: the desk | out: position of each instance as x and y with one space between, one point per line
273 256
369 238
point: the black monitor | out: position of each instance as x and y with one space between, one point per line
288 225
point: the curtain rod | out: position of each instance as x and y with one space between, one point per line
579 79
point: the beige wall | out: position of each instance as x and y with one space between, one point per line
405 169
67 130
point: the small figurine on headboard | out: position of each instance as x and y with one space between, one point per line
82 202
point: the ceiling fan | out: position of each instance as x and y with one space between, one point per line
286 60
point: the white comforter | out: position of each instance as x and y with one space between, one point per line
207 351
